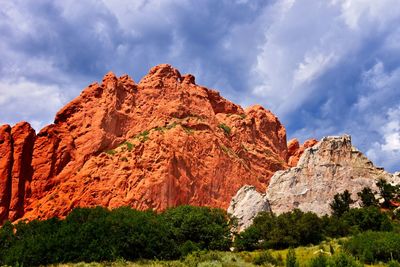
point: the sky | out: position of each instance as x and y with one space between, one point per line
324 67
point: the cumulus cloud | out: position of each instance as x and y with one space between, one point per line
324 67
24 100
331 67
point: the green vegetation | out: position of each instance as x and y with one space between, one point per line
225 128
371 246
289 229
291 260
341 203
200 236
97 234
110 152
296 228
388 192
165 128
129 146
368 198
143 136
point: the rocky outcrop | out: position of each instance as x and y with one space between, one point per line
163 142
6 153
331 166
23 137
246 204
295 150
16 146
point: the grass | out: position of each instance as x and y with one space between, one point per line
231 259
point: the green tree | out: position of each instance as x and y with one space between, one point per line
341 203
387 191
208 228
367 197
364 219
289 229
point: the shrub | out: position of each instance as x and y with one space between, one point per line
264 257
375 246
226 128
248 239
320 261
289 229
343 260
208 228
291 260
111 152
393 263
129 146
97 234
370 218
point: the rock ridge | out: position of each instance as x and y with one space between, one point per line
159 143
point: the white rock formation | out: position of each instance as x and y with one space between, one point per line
246 204
331 166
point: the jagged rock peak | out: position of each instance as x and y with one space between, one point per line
295 150
161 72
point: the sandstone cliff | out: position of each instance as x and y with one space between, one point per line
16 146
163 142
323 170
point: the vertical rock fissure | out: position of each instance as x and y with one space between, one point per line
9 183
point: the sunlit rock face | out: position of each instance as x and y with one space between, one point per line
246 204
330 166
159 143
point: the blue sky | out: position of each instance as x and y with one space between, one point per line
323 67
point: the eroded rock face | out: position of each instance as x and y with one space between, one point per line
329 167
295 150
6 152
23 137
163 142
16 146
246 204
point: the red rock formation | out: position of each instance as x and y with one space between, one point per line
5 170
295 150
16 146
160 143
23 137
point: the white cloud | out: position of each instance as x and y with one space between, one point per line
356 13
311 67
387 151
391 131
27 100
